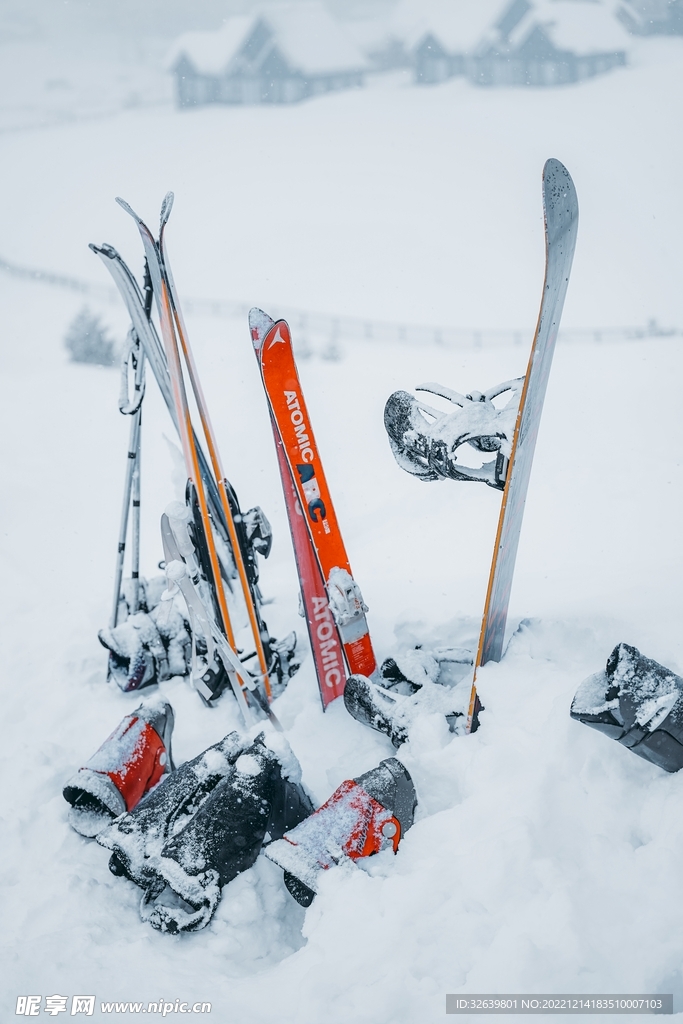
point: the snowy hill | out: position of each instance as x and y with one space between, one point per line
544 857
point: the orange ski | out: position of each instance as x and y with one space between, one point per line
292 428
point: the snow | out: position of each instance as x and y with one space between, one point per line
545 857
590 698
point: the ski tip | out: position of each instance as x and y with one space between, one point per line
559 198
259 325
166 207
128 208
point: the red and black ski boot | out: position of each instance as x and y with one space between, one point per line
362 817
127 765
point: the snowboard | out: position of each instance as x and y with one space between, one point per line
561 212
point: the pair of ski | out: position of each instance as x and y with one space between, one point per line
326 581
217 512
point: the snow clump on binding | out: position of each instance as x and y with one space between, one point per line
130 762
362 817
638 702
424 440
205 825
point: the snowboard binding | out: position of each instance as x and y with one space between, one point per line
129 763
425 441
637 702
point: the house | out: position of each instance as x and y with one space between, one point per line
525 42
549 42
652 17
439 34
283 55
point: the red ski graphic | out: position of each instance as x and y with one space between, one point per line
326 643
296 445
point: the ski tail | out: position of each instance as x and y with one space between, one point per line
561 211
326 645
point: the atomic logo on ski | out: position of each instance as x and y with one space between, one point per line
309 485
326 634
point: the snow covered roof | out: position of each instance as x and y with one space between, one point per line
459 25
305 34
211 52
312 40
580 26
462 26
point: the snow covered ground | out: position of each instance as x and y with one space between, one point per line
544 858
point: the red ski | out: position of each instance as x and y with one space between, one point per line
332 601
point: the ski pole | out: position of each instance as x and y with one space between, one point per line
132 478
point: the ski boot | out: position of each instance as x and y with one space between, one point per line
128 764
637 702
424 440
148 647
415 682
411 669
362 817
203 827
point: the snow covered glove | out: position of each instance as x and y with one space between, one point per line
203 826
148 647
637 702
363 816
127 765
425 441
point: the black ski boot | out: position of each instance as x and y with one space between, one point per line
389 712
637 702
188 840
362 817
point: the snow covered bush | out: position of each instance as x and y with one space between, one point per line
87 340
